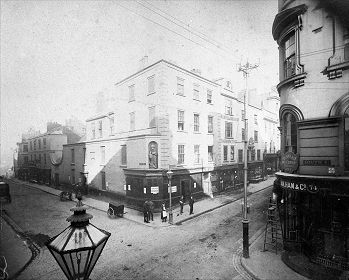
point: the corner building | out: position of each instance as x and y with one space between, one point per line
162 117
313 39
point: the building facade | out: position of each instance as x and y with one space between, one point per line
40 154
313 39
166 117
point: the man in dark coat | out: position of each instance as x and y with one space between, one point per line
150 210
146 212
181 204
191 205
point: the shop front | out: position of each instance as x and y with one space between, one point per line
314 213
144 184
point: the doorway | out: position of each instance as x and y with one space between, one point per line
185 188
104 186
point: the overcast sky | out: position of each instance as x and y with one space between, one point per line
57 55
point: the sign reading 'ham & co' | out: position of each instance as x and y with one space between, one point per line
297 186
289 162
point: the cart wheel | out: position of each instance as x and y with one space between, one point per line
110 212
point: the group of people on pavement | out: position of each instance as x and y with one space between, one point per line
148 209
191 205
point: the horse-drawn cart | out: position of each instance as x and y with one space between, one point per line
115 210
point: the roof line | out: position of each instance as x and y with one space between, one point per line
169 63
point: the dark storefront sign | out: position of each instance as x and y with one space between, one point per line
317 162
299 186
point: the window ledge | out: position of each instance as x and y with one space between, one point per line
196 99
335 71
72 164
197 132
209 103
183 131
297 80
123 165
182 95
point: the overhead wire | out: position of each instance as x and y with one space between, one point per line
184 25
171 30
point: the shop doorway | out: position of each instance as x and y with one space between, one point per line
56 179
104 186
185 188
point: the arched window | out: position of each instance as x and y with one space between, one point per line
290 133
346 139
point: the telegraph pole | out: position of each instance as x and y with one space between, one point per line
245 222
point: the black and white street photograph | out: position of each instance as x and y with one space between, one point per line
174 139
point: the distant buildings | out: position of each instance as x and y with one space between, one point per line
167 117
40 154
313 39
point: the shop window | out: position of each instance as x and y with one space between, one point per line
290 133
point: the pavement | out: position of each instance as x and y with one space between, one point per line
260 265
15 254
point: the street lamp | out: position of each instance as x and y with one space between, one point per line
169 176
77 248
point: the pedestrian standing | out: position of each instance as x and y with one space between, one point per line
191 205
146 212
181 204
150 209
163 212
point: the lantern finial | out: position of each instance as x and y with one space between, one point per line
80 217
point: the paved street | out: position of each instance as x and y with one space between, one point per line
206 247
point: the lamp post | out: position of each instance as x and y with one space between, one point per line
245 69
77 248
169 176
